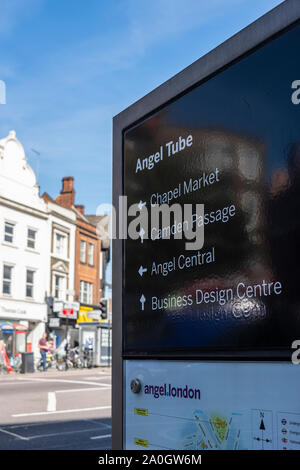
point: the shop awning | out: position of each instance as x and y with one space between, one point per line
6 327
20 328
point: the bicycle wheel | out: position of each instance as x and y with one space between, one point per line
80 363
61 366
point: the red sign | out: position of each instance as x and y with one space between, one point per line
68 312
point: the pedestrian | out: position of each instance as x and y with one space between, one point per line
43 350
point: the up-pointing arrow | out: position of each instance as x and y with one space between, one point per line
262 426
142 233
143 300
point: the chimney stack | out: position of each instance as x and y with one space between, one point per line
80 208
67 194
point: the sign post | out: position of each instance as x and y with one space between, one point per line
206 255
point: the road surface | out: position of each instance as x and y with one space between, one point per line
56 410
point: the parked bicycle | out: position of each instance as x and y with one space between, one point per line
69 359
76 358
88 358
3 368
50 361
16 363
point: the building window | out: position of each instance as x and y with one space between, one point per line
31 238
91 254
82 251
86 292
59 287
60 245
7 279
9 232
29 282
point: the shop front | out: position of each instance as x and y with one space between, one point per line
14 337
95 340
62 324
21 326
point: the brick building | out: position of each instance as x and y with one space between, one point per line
87 286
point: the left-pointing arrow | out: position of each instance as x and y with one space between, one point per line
141 205
142 270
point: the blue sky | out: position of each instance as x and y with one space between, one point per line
71 65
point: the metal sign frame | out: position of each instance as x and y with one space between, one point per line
241 44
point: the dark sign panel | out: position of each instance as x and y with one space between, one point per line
233 144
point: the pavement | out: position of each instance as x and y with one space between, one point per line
56 410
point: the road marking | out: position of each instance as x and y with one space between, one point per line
95 377
108 426
14 382
71 390
26 425
101 437
62 433
38 423
14 435
42 413
51 401
67 381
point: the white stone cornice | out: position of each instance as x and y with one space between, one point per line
23 208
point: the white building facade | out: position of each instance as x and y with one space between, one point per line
62 228
24 246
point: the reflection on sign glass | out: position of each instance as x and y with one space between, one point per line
232 144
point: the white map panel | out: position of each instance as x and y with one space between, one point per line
209 405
